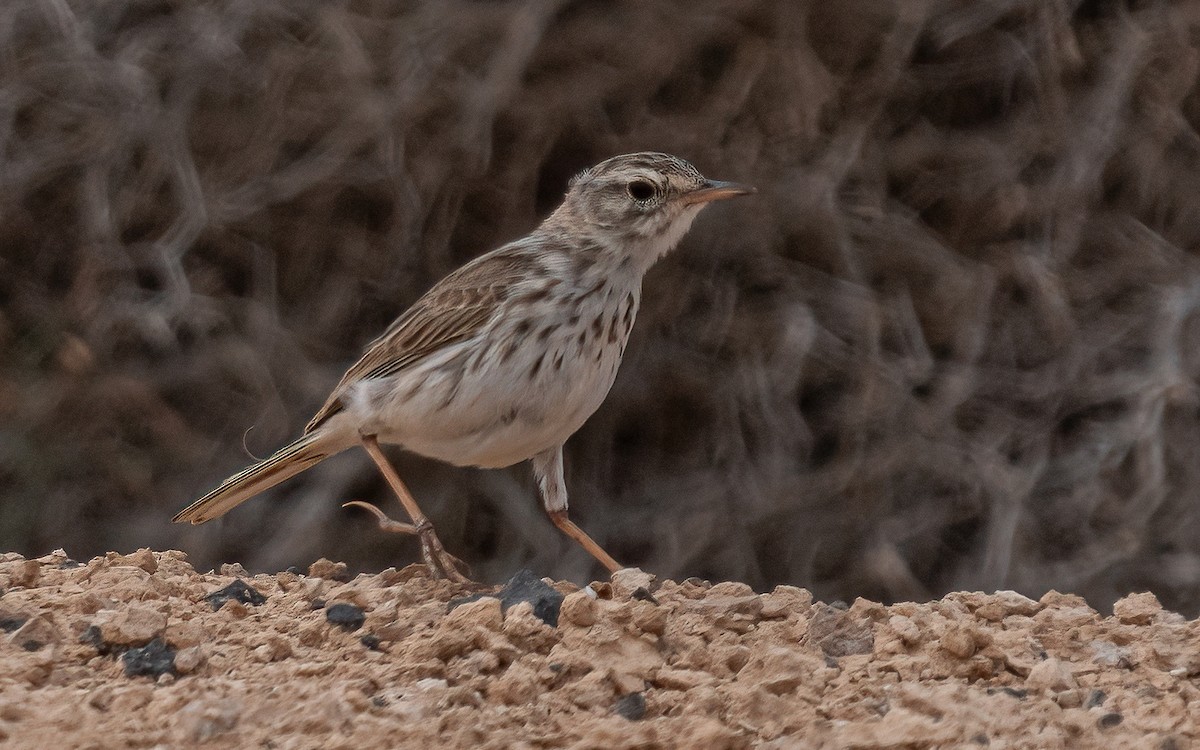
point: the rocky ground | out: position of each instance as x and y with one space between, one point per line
141 650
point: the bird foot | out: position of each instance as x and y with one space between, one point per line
441 563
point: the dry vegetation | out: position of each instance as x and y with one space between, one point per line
952 345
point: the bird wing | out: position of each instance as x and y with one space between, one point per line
455 309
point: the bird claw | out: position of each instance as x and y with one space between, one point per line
441 563
385 523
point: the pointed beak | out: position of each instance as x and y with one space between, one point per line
716 190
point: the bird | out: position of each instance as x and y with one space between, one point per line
505 358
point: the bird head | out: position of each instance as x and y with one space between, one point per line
643 202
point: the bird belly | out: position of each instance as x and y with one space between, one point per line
456 409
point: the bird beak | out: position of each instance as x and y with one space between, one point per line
716 190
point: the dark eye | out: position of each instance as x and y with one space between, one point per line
640 190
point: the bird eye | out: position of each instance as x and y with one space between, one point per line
640 190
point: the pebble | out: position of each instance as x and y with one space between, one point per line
238 591
348 617
631 706
133 625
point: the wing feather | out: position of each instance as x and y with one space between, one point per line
455 309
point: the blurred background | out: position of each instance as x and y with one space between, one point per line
954 342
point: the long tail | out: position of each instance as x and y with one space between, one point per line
287 462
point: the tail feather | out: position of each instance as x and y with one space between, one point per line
287 462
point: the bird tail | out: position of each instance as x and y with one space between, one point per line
287 462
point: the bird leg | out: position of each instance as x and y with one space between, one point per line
440 562
548 469
568 527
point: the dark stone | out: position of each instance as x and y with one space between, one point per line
1018 693
1110 720
316 604
9 624
69 564
632 706
92 637
32 645
642 593
981 739
1096 698
371 641
295 570
153 659
239 591
346 616
524 587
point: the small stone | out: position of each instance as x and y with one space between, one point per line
187 633
631 706
11 622
274 649
579 609
1109 654
1051 675
151 660
650 618
628 580
312 634
1069 698
905 628
330 570
143 559
25 574
682 679
627 683
235 609
1110 720
958 642
485 612
644 595
136 625
37 630
1137 609
784 601
233 570
238 591
346 616
57 558
350 594
188 660
371 641
1006 603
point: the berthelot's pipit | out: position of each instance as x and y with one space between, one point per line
505 358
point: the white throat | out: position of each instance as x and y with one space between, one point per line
660 245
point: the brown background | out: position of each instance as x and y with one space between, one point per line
952 344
